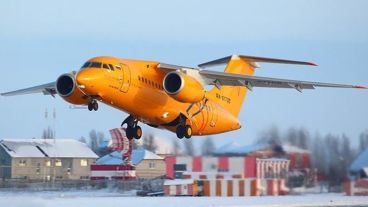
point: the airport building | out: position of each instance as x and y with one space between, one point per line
358 176
143 164
45 159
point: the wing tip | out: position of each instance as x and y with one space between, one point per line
360 87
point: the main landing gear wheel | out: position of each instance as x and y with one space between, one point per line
184 131
180 132
188 132
93 105
133 130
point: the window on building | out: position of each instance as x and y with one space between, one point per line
151 165
58 163
47 163
84 177
22 162
84 163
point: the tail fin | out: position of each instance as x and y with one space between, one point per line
231 97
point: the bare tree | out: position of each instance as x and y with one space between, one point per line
363 141
95 140
48 133
208 147
176 147
149 143
298 137
189 148
82 139
291 136
303 138
270 136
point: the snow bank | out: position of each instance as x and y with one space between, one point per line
98 199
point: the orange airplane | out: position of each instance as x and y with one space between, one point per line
170 96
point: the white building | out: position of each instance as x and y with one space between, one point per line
45 159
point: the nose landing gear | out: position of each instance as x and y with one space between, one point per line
133 130
93 105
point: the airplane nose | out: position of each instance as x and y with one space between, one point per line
83 78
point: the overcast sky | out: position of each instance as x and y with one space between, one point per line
39 40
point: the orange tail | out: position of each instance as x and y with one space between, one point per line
231 97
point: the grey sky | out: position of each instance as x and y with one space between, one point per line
42 39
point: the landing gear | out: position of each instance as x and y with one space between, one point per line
93 105
184 131
133 130
188 132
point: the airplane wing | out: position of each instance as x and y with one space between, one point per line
46 89
231 79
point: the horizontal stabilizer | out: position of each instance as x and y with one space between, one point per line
252 60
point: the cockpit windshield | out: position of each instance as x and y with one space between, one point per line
98 65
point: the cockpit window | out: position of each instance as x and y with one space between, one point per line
86 65
98 65
95 65
105 66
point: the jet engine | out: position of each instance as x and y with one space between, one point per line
67 88
183 88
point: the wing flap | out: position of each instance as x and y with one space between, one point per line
46 89
231 79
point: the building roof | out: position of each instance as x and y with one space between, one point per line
115 158
61 148
360 162
293 149
227 148
234 148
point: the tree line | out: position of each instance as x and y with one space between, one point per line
331 154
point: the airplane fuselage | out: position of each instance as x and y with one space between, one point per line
136 87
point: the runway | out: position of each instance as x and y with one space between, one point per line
114 199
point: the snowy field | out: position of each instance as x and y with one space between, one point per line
112 199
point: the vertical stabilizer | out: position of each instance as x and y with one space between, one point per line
231 97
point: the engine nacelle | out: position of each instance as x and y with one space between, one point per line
67 88
183 88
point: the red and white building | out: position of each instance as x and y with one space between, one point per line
226 176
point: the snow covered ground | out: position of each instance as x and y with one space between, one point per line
112 199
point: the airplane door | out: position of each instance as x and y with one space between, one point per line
126 78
